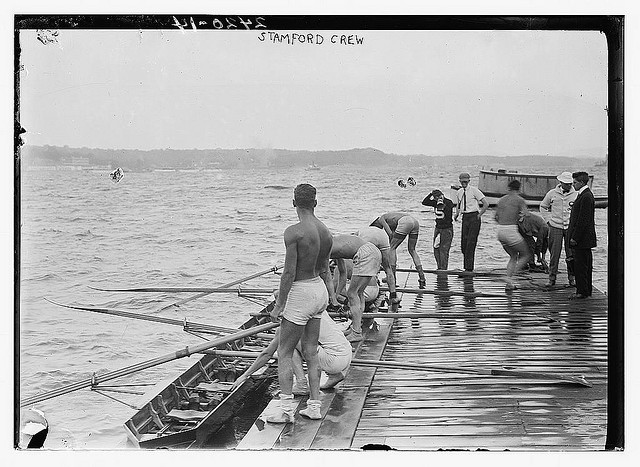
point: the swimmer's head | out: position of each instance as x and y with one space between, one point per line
304 196
514 185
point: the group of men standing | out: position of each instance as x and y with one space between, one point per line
307 289
569 211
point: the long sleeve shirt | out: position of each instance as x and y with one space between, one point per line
556 207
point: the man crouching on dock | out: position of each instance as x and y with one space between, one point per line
301 300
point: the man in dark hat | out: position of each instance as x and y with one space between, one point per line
472 204
443 232
582 234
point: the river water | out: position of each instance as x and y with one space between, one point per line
188 229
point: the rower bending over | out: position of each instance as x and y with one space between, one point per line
398 225
366 264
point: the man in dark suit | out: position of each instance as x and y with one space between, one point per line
582 234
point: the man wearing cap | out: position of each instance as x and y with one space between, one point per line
472 204
556 210
582 234
443 232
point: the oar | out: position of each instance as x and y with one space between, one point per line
186 325
453 272
204 293
95 379
432 315
206 290
463 315
446 293
577 380
210 290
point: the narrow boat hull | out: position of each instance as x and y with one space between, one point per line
196 404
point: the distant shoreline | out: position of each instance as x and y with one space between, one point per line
195 159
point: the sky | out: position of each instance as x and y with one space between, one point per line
404 92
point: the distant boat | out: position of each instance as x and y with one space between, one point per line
533 187
602 163
313 166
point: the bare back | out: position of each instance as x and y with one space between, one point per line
509 208
312 241
346 246
392 218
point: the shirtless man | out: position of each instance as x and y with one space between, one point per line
380 239
334 356
398 225
508 211
366 264
301 300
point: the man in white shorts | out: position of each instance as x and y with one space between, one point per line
399 225
366 264
301 300
508 211
334 356
380 239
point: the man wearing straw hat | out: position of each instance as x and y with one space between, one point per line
556 210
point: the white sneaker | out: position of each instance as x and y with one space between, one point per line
284 413
280 416
313 410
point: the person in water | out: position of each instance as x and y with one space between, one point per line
508 211
334 357
366 264
399 225
301 300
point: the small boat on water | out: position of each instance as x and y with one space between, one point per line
533 187
188 411
313 166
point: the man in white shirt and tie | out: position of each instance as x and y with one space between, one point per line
472 204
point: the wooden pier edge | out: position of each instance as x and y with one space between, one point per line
340 409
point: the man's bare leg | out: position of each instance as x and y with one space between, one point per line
290 334
411 246
310 352
356 302
300 387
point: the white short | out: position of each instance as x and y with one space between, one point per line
307 299
408 225
509 235
371 292
332 364
367 261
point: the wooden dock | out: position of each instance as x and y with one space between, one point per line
529 330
